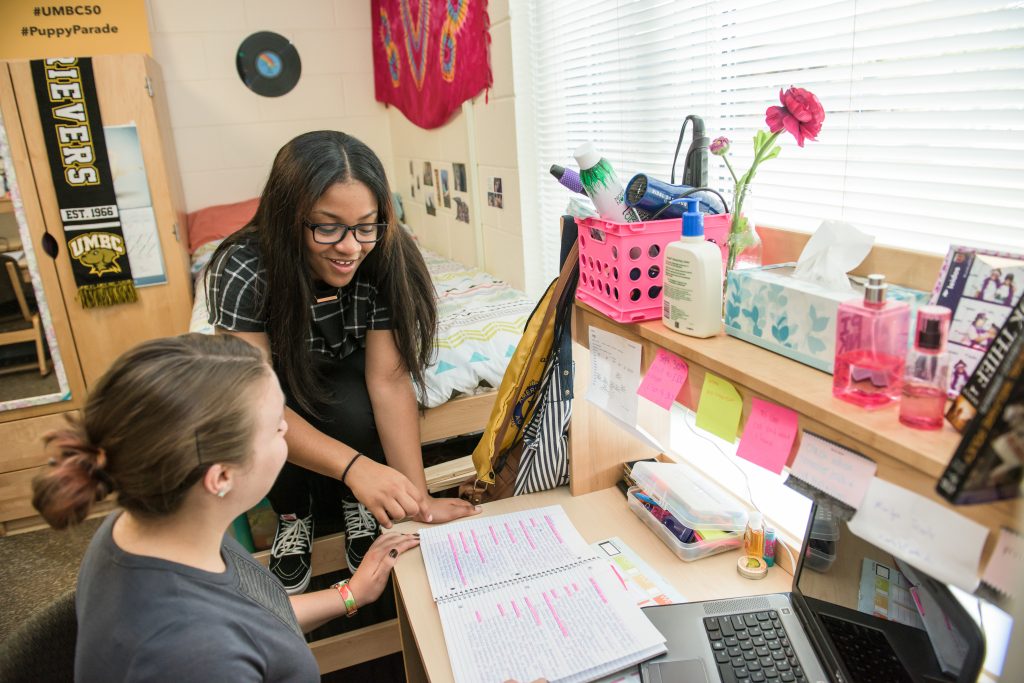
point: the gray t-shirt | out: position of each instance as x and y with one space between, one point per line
146 619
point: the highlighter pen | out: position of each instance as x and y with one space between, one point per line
769 547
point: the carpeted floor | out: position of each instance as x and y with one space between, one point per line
28 383
36 568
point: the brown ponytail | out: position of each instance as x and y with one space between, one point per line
78 479
161 415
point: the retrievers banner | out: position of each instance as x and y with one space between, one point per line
77 151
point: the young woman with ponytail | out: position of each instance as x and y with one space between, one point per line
188 433
335 292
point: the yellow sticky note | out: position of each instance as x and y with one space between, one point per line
720 408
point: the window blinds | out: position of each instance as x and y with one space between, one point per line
924 130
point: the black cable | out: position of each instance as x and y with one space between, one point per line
679 144
687 194
699 144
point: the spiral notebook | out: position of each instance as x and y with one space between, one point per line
523 596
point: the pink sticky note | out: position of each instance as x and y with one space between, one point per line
768 435
664 379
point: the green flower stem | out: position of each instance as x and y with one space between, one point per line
729 166
761 153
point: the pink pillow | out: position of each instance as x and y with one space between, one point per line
217 222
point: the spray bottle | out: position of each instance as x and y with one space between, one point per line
692 298
602 185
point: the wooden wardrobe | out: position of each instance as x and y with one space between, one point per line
129 90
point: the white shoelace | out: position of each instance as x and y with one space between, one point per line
292 538
359 522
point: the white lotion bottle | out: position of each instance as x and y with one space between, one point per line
692 294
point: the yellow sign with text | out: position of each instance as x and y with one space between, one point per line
35 29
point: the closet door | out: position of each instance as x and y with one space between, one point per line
23 418
129 91
49 297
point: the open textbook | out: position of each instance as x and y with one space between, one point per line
522 596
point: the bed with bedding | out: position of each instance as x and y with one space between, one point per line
480 321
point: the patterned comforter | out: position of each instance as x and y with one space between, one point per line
480 321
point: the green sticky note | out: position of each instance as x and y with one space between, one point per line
720 408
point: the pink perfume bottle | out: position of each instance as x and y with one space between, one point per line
926 378
871 347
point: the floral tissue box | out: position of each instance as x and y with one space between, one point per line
767 307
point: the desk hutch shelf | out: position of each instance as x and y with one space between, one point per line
911 458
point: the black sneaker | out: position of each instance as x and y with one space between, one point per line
361 529
291 554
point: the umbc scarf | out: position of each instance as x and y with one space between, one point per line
430 56
77 151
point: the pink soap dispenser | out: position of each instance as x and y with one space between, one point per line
926 378
871 347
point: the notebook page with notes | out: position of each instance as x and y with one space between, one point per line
522 596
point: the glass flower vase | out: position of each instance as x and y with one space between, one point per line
744 243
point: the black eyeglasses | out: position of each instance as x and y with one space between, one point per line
332 233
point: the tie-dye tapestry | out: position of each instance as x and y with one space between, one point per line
429 56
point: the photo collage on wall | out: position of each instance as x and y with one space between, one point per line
495 197
981 287
440 187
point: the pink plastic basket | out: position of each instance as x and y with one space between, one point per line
621 264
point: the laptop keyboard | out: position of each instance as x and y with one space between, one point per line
865 651
753 648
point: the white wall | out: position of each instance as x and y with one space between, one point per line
226 136
486 135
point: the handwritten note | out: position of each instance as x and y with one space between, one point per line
475 553
924 533
574 625
614 374
664 379
720 408
1006 565
835 470
768 436
142 241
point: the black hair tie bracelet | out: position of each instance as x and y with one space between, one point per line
349 466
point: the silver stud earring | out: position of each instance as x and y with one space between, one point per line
222 492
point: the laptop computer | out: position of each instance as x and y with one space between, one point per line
852 617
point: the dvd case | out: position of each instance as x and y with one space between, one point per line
987 465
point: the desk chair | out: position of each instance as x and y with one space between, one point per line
19 318
43 647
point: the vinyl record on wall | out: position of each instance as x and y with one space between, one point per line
268 64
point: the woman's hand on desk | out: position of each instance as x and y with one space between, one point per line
440 510
369 580
387 493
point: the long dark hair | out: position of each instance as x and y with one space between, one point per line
303 170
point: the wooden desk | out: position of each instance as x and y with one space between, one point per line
597 516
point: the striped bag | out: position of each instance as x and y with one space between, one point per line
525 446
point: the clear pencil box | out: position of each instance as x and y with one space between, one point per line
687 552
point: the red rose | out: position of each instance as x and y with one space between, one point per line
801 114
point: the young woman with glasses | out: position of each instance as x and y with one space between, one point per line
327 284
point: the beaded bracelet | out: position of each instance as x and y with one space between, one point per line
346 594
349 466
